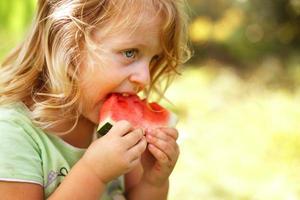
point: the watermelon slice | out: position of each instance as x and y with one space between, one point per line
138 112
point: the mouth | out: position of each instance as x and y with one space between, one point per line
127 94
124 94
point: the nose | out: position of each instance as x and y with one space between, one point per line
140 75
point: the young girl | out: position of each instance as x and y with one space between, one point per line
52 86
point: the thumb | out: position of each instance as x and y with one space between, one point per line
121 128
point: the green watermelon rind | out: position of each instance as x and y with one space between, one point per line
105 126
104 129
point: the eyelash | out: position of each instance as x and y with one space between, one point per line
156 58
134 51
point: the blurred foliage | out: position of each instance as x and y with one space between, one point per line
238 98
238 32
240 140
244 32
15 17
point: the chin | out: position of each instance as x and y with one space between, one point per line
93 117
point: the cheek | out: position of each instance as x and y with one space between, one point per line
100 79
95 86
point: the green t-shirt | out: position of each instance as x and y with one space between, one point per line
28 154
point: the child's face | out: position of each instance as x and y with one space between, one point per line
121 65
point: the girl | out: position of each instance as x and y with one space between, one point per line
53 84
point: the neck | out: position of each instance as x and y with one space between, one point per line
82 135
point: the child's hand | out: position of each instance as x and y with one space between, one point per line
161 155
115 153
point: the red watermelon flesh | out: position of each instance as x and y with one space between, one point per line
138 112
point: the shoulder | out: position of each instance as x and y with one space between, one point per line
14 113
20 158
17 116
16 126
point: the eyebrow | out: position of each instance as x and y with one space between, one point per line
157 48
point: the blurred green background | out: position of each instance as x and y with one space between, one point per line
238 98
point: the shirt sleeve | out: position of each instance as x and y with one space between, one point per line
20 159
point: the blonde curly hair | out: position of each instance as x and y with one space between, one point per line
42 72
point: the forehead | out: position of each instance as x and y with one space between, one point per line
145 30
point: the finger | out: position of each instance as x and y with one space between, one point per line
134 163
159 155
121 128
160 134
133 137
172 132
136 151
170 148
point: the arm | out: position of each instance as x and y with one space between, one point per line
150 180
114 154
80 183
24 191
137 189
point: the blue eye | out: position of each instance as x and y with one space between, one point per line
130 53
